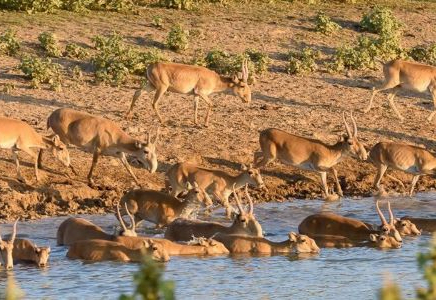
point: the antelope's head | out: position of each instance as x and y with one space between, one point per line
385 241
405 227
6 248
210 245
303 243
245 221
145 152
197 194
352 145
388 228
240 85
42 254
60 151
126 231
252 176
155 250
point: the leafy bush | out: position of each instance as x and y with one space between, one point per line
9 43
425 55
177 39
259 59
75 51
78 6
427 264
302 62
41 71
380 20
149 283
325 25
177 4
157 21
115 60
50 44
31 5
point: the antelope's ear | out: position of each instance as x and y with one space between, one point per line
293 237
195 184
56 140
244 167
235 79
373 237
37 250
138 145
48 250
188 186
146 243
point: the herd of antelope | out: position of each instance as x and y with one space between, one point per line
193 190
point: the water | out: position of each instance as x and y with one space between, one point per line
334 274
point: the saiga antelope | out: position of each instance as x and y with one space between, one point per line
17 135
215 182
196 80
244 223
161 208
424 224
101 250
76 229
409 75
356 231
102 137
309 154
410 159
297 243
25 250
6 249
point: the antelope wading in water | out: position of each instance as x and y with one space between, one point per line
101 250
309 154
196 80
6 249
20 136
27 251
424 224
217 183
244 223
196 246
331 230
297 243
77 229
410 159
161 208
101 137
408 75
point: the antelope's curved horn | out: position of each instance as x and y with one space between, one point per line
354 125
157 135
250 201
245 70
391 214
347 128
120 219
380 214
238 201
132 219
14 232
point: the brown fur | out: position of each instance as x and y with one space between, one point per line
25 250
428 225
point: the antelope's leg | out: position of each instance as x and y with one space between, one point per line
388 84
35 159
136 96
324 183
380 172
432 89
159 93
40 158
414 180
209 109
196 100
393 106
338 185
374 91
17 165
94 163
268 154
124 161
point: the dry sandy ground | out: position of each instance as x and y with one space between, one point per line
308 105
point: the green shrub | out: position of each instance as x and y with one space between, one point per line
177 4
31 5
302 62
115 60
259 59
157 21
50 44
41 71
9 43
78 6
177 39
427 264
75 51
380 20
112 5
425 55
149 283
325 25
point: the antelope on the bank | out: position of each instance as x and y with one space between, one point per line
161 208
194 80
408 75
297 243
6 249
101 137
244 224
100 250
309 154
410 159
76 229
215 182
197 246
355 230
17 135
25 250
424 224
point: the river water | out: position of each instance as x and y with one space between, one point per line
353 273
